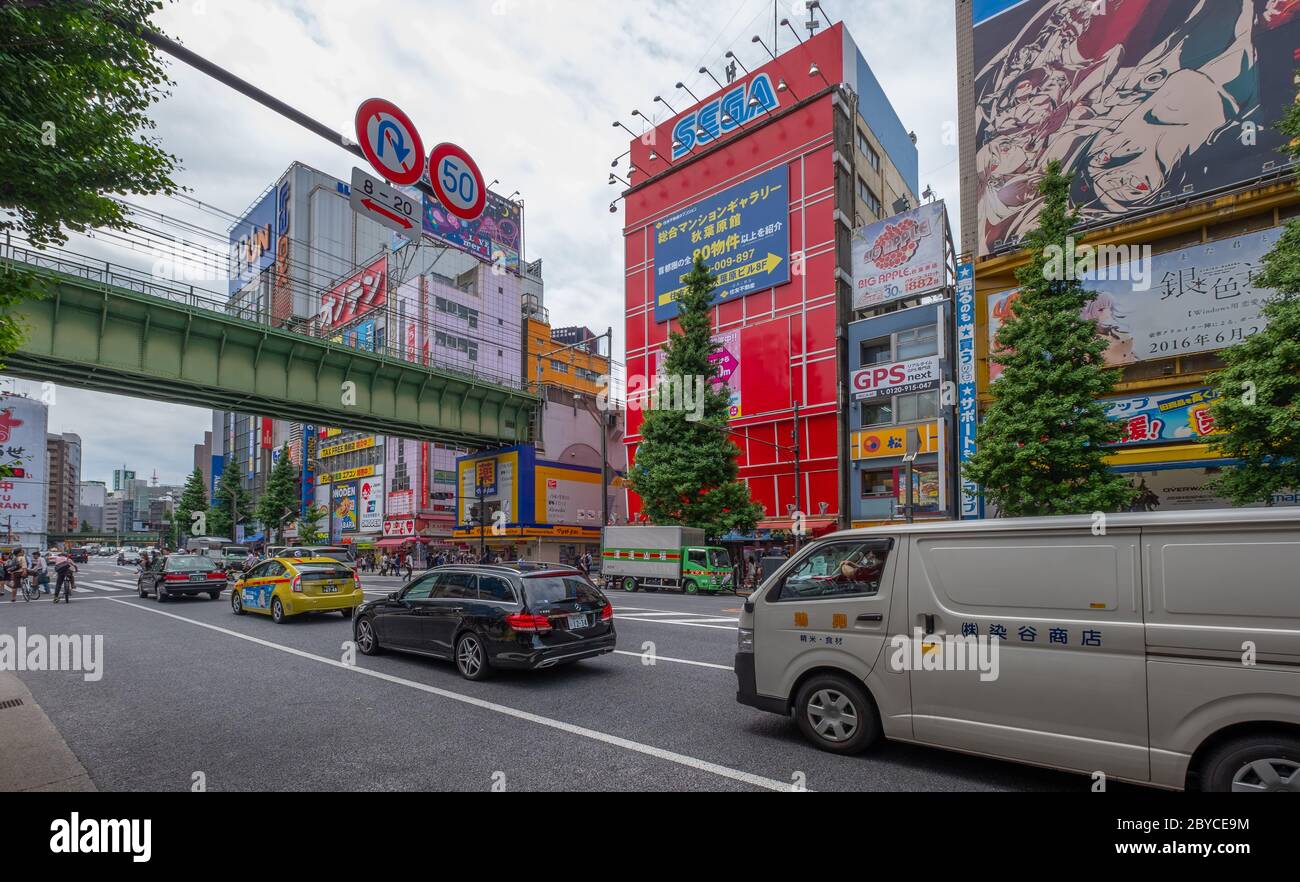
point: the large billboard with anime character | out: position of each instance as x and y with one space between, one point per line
1144 102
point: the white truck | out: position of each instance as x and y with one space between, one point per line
651 558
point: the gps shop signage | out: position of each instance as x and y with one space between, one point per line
743 234
900 378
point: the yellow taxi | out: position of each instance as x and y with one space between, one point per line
282 587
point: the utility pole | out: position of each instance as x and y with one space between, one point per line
798 501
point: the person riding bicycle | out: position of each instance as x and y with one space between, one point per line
64 568
41 570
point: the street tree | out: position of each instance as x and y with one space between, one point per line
194 498
278 503
75 91
1042 444
1258 405
309 526
686 469
230 506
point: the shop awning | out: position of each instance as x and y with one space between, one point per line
814 526
392 543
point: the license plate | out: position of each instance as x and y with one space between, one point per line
577 623
197 577
330 589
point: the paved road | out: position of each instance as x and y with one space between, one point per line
189 687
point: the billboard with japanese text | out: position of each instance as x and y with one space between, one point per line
1147 103
1200 299
23 496
358 295
743 234
1164 417
901 257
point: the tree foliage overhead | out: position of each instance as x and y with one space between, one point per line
230 505
1041 445
686 470
309 526
75 91
194 497
1258 408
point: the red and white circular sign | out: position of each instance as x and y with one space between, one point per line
457 181
390 142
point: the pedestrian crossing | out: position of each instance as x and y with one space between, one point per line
107 586
672 617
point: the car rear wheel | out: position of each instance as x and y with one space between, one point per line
367 640
836 714
629 584
277 611
161 593
346 613
215 595
1254 764
237 602
471 657
141 589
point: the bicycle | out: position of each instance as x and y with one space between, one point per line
70 582
31 590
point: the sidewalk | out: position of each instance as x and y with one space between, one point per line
35 756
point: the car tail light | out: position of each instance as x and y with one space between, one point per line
176 577
529 624
607 614
296 585
217 575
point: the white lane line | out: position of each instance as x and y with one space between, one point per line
646 615
581 731
618 618
676 661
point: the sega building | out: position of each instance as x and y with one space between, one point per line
768 178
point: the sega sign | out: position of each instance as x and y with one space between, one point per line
900 378
723 115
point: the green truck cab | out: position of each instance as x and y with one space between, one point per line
649 558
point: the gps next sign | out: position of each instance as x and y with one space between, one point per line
742 233
883 380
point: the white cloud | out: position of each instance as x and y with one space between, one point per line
529 87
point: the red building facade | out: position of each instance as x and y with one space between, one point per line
803 113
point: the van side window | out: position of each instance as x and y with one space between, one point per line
840 569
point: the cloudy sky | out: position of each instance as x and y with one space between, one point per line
529 87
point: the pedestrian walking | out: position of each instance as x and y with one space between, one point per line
16 571
410 565
41 569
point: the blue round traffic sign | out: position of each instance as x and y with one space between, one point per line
457 181
390 142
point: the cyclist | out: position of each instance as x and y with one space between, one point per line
41 569
64 568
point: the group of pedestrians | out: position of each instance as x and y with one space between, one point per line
397 564
17 566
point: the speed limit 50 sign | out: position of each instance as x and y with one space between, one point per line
457 181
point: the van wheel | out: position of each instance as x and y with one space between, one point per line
690 588
629 585
1255 764
836 714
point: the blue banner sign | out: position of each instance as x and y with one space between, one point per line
743 234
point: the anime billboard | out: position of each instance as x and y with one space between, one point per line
1144 102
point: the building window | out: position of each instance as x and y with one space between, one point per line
917 342
878 413
878 351
878 483
867 196
873 158
920 406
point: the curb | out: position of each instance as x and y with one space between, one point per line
35 756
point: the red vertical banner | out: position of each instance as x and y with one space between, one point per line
268 433
424 476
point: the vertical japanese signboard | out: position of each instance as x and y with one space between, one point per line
971 503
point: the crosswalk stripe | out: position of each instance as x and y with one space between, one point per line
102 586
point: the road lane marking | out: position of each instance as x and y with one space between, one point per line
619 618
676 661
505 710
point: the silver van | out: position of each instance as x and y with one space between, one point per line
1162 649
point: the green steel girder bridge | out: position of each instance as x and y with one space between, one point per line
117 330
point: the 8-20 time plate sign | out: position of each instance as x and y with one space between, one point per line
743 234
